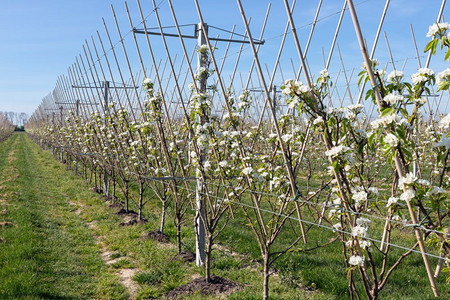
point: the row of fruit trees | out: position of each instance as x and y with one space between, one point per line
6 128
319 165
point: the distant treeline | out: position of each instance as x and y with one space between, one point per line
17 118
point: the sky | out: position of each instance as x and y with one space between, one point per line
39 40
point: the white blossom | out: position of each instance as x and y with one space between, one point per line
393 98
324 73
359 197
272 135
392 202
356 260
407 195
426 71
435 190
296 87
247 171
423 182
391 140
331 213
420 101
445 122
363 222
202 48
442 77
324 76
318 120
397 218
337 226
355 107
365 245
373 190
395 76
422 75
337 201
389 119
360 231
336 151
223 164
418 78
410 178
434 28
286 138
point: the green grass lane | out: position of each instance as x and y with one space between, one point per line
47 252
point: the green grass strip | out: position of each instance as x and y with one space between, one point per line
49 252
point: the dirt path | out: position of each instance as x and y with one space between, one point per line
125 274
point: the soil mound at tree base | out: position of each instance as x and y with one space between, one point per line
157 236
186 256
216 286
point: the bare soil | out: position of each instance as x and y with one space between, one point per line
6 224
97 190
130 220
125 277
122 211
186 256
217 286
157 236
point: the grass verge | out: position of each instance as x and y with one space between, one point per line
49 252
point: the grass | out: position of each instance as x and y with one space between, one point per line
49 253
122 264
319 274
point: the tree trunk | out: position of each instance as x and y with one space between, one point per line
178 226
94 172
208 259
266 276
105 184
114 186
126 197
163 215
141 199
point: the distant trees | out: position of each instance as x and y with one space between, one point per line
17 118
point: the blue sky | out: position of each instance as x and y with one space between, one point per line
40 39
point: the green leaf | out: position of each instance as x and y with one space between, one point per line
407 154
361 148
371 140
428 46
336 166
369 94
386 111
431 46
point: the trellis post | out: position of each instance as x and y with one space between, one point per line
199 194
105 172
